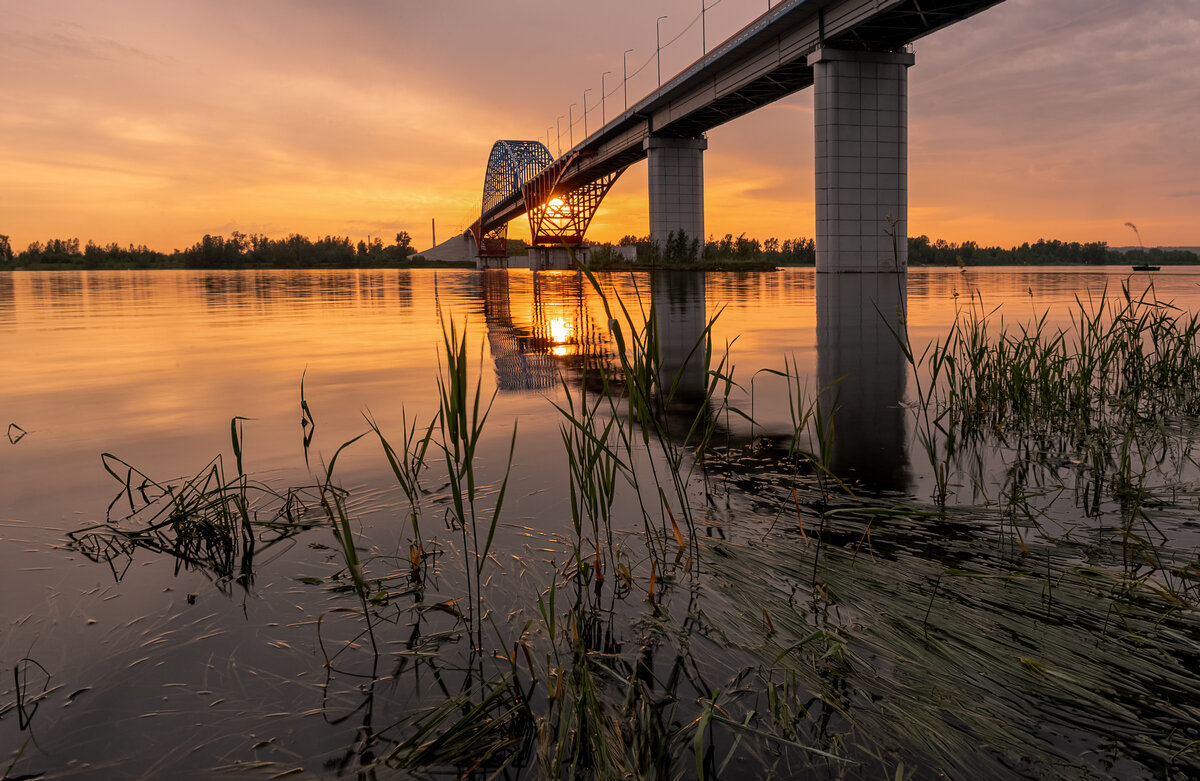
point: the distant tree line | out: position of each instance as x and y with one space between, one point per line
681 249
1044 252
923 252
678 250
239 250
1158 257
295 251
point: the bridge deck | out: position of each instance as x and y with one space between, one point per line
761 63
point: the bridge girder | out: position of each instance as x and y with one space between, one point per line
758 65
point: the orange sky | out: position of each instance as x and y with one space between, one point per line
152 122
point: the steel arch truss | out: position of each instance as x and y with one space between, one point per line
510 166
558 214
524 176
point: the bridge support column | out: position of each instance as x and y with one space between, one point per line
558 258
861 111
676 188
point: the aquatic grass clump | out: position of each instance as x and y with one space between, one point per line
1110 403
942 649
653 413
490 734
592 470
210 522
1131 360
461 421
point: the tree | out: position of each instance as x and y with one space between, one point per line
746 248
679 250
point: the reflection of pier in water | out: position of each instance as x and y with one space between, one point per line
860 363
681 320
562 335
557 336
861 366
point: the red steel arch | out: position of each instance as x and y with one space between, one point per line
526 173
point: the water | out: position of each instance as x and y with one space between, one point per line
222 665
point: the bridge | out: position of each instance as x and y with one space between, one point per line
856 54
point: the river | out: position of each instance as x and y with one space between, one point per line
136 658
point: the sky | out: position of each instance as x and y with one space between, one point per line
158 121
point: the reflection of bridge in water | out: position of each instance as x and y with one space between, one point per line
537 334
550 325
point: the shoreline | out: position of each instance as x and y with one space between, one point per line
726 265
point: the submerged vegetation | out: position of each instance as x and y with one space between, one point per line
723 608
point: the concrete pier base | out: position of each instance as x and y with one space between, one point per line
557 258
861 115
676 172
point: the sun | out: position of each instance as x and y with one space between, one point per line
560 330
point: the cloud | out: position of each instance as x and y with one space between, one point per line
70 42
1059 118
149 121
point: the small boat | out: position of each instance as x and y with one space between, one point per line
1144 267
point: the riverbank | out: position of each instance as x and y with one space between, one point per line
414 264
708 264
240 251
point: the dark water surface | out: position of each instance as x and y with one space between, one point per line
133 662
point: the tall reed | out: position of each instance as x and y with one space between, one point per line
461 421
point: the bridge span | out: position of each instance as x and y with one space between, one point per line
854 52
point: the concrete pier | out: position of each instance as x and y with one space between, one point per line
676 171
558 258
861 115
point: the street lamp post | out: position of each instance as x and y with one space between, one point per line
548 137
558 122
658 47
585 92
571 123
625 75
603 116
703 35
